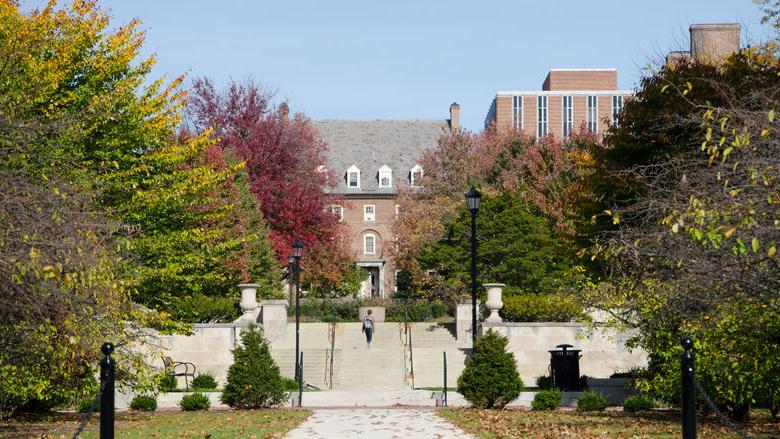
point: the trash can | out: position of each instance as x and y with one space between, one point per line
565 367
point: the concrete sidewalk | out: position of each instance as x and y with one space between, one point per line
376 424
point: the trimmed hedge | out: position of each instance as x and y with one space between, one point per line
205 381
547 400
540 308
323 310
591 402
195 401
144 403
638 403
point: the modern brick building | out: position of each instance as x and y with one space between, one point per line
373 160
569 98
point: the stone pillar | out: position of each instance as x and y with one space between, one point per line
463 321
273 316
494 302
249 302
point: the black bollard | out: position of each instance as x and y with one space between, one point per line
107 373
688 390
445 378
300 382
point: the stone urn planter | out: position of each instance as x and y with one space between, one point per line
378 312
494 302
248 300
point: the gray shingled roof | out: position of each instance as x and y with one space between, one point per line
369 144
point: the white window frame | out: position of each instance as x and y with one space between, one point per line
617 107
373 244
518 116
592 113
415 169
338 211
567 116
395 280
369 216
385 172
353 170
541 116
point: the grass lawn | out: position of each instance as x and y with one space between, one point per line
572 424
272 423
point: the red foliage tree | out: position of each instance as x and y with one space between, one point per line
285 164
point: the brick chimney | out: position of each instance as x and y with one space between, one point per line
454 117
284 110
714 41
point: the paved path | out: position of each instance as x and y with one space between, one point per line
376 424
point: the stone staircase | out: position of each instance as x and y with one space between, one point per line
336 356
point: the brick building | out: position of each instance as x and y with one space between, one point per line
373 159
710 41
569 99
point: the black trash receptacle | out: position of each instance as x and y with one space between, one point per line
565 367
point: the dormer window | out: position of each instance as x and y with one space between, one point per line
416 175
385 177
353 177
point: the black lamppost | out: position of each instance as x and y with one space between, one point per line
297 254
472 202
290 277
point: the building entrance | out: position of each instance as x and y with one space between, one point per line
373 277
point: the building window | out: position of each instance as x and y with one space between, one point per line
353 177
416 175
368 212
567 116
369 244
397 209
385 176
517 112
617 107
541 116
395 280
337 211
593 114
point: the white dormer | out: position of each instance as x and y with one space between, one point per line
353 177
385 177
416 175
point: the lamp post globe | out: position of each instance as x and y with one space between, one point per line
473 198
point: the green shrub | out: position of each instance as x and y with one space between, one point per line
541 308
144 403
85 404
195 401
205 381
638 403
544 382
290 384
547 400
490 378
167 383
201 308
591 402
253 380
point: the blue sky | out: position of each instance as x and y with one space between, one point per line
410 59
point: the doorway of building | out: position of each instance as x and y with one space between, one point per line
373 273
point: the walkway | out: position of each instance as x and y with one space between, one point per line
376 424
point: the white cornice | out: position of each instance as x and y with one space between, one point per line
564 92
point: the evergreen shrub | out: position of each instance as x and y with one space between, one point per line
144 403
167 383
490 378
195 401
544 382
290 384
547 400
638 403
205 381
253 380
591 402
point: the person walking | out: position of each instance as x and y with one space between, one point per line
368 327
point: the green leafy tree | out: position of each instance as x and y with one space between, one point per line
253 380
516 247
490 378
